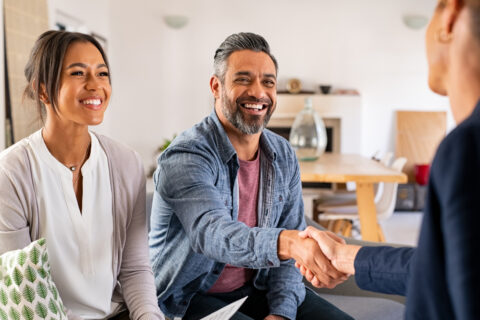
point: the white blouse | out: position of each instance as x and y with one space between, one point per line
79 243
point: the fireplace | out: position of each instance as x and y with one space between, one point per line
340 113
332 127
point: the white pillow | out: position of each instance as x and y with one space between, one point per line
27 290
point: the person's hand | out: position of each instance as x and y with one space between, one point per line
326 240
341 255
308 254
274 317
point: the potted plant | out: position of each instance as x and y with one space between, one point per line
158 152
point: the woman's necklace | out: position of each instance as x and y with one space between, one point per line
74 168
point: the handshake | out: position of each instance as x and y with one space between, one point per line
324 259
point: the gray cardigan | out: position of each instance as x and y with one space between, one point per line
20 225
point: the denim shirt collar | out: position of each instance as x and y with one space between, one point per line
226 149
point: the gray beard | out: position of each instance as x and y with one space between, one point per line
235 116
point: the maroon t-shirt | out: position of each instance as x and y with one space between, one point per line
248 177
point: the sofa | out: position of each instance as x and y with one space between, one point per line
360 304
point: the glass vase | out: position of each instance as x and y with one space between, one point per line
308 135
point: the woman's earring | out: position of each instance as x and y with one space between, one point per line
443 36
44 98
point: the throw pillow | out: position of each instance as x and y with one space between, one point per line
27 290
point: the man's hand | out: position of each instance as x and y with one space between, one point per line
307 253
340 254
274 317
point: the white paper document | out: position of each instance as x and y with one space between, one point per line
226 312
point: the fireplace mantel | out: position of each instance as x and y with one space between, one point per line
345 108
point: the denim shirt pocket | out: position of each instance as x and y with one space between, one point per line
278 203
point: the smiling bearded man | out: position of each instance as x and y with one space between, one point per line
248 124
228 204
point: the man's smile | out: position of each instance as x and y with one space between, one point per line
254 106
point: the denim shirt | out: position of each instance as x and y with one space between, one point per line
194 227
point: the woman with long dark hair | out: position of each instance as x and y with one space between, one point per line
81 191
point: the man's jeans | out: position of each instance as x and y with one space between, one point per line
256 306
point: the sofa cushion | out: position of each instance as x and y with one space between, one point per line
367 308
27 290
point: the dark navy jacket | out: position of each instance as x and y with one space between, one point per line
441 278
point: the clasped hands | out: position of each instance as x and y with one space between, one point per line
322 257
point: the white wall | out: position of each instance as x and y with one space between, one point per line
161 75
91 15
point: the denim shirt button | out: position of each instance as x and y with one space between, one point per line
280 198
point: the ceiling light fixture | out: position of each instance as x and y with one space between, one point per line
415 21
176 21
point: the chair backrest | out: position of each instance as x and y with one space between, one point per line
386 158
378 187
385 205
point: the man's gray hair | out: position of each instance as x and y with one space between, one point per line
237 42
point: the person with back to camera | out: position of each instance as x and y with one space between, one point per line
82 192
440 277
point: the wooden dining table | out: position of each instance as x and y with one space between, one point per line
365 172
